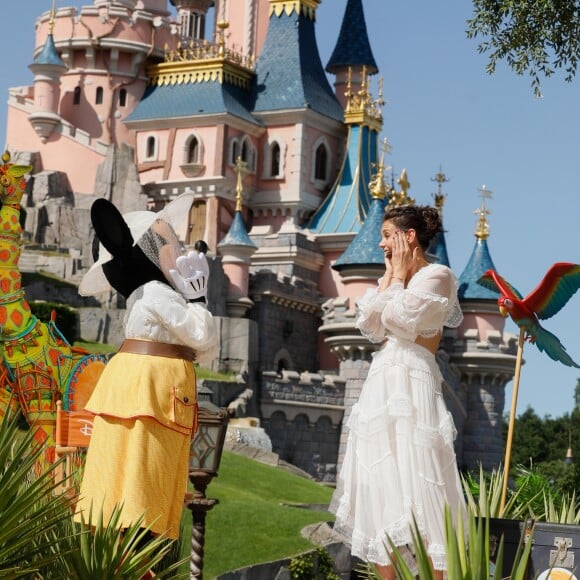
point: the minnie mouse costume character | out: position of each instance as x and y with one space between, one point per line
145 402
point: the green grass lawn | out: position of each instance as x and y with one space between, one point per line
249 525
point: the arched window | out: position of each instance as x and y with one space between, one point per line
235 151
99 96
123 98
150 149
275 160
321 163
77 96
192 155
245 151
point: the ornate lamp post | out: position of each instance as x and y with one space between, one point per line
204 459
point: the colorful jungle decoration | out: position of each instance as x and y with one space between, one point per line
559 284
37 364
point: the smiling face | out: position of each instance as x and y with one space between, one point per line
386 243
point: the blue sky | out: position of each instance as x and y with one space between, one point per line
442 109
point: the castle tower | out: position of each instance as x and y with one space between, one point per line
484 354
192 15
352 51
47 68
236 249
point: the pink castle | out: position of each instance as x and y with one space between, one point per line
134 104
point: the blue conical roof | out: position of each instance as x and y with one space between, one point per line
49 55
347 204
353 47
438 250
289 72
237 234
479 262
364 249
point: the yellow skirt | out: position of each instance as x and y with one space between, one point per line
138 455
129 463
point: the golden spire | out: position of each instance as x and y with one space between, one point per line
223 25
482 228
361 108
51 19
240 169
401 197
439 197
377 184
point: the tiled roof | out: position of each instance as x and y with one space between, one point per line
438 250
237 234
353 47
364 249
479 262
49 54
192 99
345 207
289 71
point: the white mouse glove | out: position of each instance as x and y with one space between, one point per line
191 276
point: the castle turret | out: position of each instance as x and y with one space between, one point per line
484 354
438 247
236 249
47 68
352 51
192 15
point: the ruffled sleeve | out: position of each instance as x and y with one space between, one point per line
427 304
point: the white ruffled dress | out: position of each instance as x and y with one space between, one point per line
399 460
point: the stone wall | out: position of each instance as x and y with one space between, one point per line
302 414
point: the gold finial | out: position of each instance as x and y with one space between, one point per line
482 228
361 108
401 197
439 197
223 25
240 169
377 184
51 19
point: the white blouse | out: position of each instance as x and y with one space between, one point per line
428 303
157 312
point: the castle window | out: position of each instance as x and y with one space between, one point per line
321 163
235 151
151 148
248 154
245 151
77 96
99 96
275 160
123 98
192 151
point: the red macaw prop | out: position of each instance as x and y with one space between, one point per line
559 284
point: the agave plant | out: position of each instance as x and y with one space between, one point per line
109 551
38 538
468 554
29 510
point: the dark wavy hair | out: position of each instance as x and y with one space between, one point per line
424 219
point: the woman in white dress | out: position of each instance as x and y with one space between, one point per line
399 460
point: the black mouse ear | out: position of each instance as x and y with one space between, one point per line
110 227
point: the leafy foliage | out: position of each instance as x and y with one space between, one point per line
38 537
467 553
537 37
315 564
